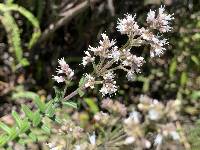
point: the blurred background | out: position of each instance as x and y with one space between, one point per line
174 75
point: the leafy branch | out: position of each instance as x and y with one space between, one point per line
13 30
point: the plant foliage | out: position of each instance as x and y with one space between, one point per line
13 31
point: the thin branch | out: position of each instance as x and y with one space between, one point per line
67 16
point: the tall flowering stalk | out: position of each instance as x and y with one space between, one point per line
107 57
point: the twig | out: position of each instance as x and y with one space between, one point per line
74 93
67 16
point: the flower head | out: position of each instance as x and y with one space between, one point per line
90 81
114 54
63 71
160 22
58 79
128 26
87 59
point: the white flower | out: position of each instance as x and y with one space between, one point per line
108 88
153 114
58 79
150 16
106 43
90 81
64 69
104 47
130 75
147 143
62 63
158 140
138 61
87 59
146 34
92 139
161 22
77 147
128 25
157 48
136 116
115 53
109 75
175 135
109 85
129 140
164 19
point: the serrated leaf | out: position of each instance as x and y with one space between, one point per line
28 112
13 134
70 104
17 118
46 128
59 94
50 110
32 136
3 140
25 126
36 119
4 127
92 105
81 92
31 95
81 82
58 120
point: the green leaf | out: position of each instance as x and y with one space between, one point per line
8 2
28 112
92 105
25 126
17 118
81 82
14 133
36 119
50 110
70 104
24 62
184 78
46 128
58 120
5 128
195 60
31 95
172 68
32 136
59 94
195 95
13 33
3 139
81 92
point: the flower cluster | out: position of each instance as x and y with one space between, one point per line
114 107
107 57
63 72
109 84
150 111
111 58
129 26
102 118
161 21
